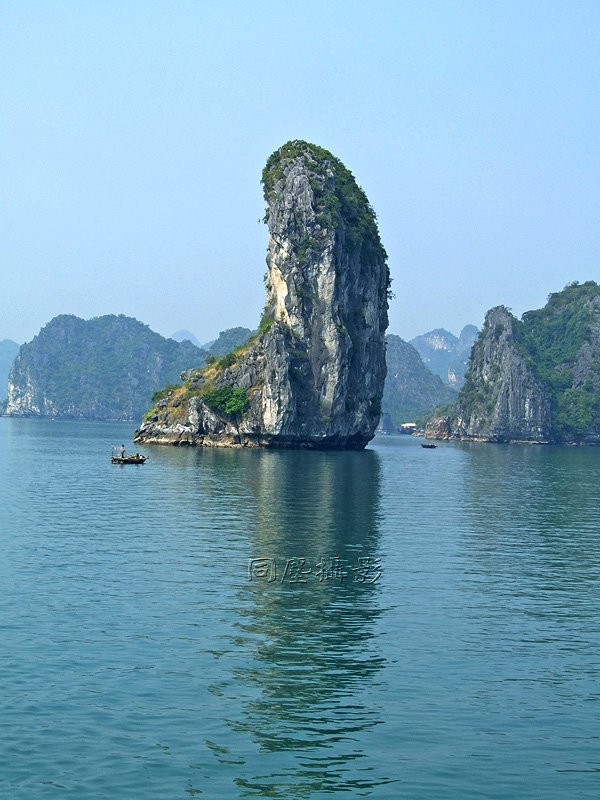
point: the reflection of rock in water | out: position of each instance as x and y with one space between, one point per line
316 651
306 502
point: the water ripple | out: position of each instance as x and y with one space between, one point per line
139 660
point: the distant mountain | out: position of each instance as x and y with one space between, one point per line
411 389
223 344
445 355
181 336
437 349
8 351
105 368
228 340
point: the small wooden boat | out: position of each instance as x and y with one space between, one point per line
429 446
136 459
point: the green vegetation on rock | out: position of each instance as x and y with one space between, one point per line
161 394
554 334
266 321
551 340
226 400
337 197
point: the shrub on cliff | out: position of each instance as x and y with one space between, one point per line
226 400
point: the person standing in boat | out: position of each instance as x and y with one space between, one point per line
122 451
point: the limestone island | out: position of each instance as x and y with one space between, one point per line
313 376
534 380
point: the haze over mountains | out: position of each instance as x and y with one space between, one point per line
411 389
445 354
183 335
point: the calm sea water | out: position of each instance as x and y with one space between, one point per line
458 657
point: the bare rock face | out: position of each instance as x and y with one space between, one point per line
439 428
313 376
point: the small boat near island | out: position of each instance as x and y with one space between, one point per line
429 446
138 458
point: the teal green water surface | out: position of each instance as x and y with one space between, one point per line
393 623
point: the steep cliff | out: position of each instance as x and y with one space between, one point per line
104 368
411 390
537 379
502 398
314 374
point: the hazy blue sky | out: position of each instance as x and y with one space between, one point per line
133 136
